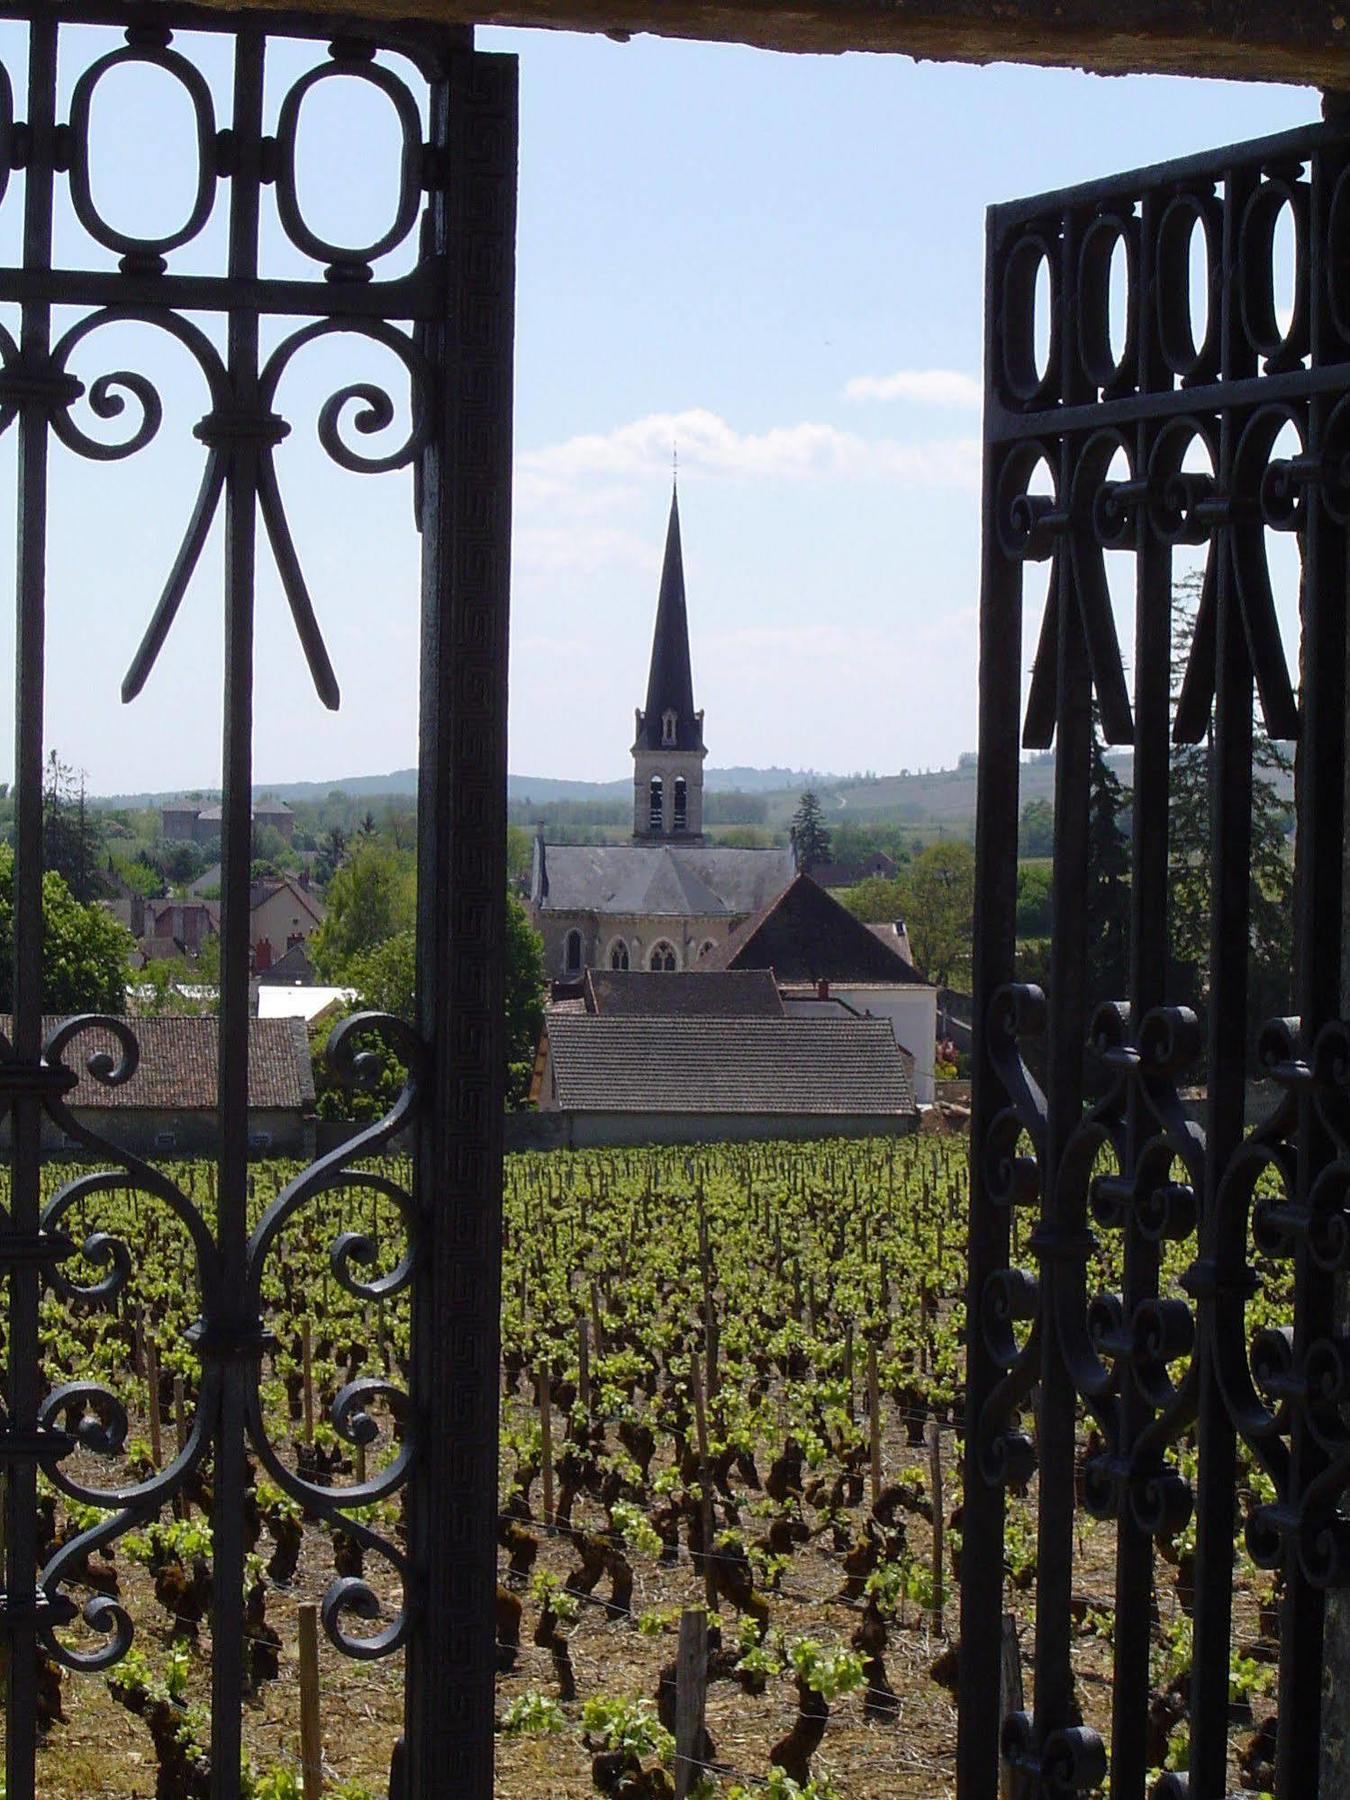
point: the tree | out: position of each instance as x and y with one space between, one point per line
71 841
809 833
878 900
1034 888
1036 829
85 950
524 1000
941 909
1271 898
369 899
1107 901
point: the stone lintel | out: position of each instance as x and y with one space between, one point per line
1297 41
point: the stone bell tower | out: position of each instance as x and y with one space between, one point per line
668 749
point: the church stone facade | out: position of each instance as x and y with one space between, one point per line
667 897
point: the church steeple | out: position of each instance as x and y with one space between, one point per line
668 749
669 721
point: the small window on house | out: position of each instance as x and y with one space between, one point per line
667 730
662 959
259 1141
681 803
657 802
618 955
166 1140
572 952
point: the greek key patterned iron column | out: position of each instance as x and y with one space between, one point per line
446 323
1164 427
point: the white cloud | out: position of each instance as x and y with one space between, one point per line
926 387
580 549
705 441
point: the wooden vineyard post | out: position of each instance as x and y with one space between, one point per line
311 1734
307 1376
544 1385
935 1483
848 1364
874 1419
704 1481
181 1504
1010 1698
584 1364
691 1698
152 1382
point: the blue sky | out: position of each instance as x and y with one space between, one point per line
773 263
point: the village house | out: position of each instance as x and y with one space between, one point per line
168 1106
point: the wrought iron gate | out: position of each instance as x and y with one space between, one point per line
448 323
1188 401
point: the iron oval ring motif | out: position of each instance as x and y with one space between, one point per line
1112 374
1021 377
143 255
350 262
1281 347
1190 361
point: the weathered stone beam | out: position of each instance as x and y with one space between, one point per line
1302 41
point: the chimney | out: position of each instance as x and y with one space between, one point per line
822 990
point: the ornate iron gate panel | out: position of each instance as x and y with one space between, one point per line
1144 1399
447 322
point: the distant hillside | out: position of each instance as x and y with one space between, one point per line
543 788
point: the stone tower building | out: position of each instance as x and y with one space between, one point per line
668 747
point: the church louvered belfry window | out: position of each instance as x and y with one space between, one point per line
657 808
681 803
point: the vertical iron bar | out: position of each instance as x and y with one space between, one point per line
1060 1237
466 518
1148 976
25 1279
241 490
995 930
1319 798
1221 1262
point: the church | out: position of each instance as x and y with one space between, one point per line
668 897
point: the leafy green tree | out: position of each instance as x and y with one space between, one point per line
941 910
332 849
524 1000
810 835
85 950
877 900
1036 829
369 899
385 976
1034 882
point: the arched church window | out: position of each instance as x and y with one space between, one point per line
668 723
681 803
572 953
618 954
706 948
663 959
657 802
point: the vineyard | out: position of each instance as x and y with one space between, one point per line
731 1378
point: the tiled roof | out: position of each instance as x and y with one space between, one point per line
293 966
697 1066
177 1071
681 880
684 993
804 934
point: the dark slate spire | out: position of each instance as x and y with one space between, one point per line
670 685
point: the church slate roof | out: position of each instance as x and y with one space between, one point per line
670 682
681 880
804 934
700 1066
683 994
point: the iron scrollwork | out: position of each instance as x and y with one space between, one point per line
1155 393
408 295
